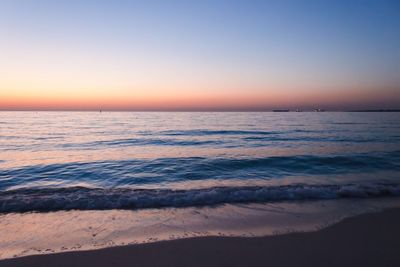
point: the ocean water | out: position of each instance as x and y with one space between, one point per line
60 161
87 180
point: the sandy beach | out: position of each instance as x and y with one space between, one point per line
365 240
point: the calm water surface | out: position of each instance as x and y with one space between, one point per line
94 161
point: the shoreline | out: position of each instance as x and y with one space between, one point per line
44 233
364 240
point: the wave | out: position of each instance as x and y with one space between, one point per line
246 139
317 139
142 142
166 170
80 198
349 123
201 132
261 140
204 132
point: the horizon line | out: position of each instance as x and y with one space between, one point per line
205 110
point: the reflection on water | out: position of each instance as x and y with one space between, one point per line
43 153
42 233
187 174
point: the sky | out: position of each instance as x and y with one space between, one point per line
199 55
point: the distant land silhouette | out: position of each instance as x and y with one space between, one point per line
375 110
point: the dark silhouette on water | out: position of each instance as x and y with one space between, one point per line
375 110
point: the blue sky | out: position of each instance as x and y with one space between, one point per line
202 47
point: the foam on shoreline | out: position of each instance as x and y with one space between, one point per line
42 233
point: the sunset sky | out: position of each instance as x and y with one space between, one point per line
199 55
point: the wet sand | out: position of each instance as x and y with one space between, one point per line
366 240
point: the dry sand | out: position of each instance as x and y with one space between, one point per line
365 240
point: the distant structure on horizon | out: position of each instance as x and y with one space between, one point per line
375 110
287 110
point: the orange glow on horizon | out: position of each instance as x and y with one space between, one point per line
180 99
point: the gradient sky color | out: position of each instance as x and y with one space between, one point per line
199 55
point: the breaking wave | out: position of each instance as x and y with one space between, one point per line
81 198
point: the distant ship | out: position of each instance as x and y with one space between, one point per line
318 110
281 110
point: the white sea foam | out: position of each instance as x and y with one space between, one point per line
80 198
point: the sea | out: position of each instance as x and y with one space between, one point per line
98 179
